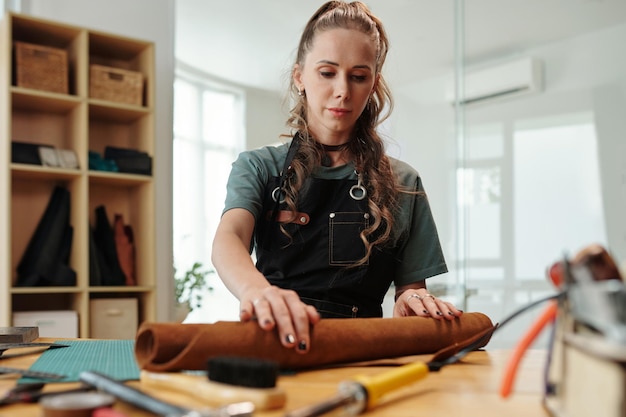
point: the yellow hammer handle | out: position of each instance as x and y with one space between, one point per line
379 385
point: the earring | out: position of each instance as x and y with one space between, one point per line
302 93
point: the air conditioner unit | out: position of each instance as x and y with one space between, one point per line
511 79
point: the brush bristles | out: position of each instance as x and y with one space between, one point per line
243 372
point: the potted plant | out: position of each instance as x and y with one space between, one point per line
188 289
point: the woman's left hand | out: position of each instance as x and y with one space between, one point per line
418 302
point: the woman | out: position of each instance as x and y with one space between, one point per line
332 219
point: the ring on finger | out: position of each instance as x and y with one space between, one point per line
414 295
257 300
429 295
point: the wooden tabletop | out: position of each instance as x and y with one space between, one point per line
466 389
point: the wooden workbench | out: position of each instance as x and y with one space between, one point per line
467 389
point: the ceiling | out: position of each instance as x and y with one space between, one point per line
252 42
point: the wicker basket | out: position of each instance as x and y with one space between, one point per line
116 84
41 67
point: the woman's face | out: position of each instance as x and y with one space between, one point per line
338 77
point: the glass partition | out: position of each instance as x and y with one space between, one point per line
544 172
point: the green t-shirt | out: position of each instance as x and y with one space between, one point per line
420 251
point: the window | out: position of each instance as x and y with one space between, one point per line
208 136
531 193
558 201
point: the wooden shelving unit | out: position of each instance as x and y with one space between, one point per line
80 123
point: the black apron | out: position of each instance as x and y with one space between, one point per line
323 242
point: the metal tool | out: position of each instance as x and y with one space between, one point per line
591 283
598 304
6 346
146 402
585 371
31 393
30 374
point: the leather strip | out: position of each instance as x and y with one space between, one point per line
284 216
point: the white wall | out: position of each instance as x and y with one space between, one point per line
265 121
150 20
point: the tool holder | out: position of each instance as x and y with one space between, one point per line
586 368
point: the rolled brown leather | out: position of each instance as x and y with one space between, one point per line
164 347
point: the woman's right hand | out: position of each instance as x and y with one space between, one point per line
271 306
274 307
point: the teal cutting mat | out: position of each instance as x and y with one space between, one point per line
115 358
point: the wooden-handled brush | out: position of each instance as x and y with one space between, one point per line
230 380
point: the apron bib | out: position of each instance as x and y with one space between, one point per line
323 242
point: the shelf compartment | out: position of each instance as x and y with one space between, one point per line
126 54
134 201
118 127
49 119
68 38
44 128
29 200
144 300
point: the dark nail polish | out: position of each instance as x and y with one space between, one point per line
302 345
290 339
439 313
450 313
267 322
425 311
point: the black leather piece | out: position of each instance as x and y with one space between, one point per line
110 270
129 160
95 261
26 153
44 262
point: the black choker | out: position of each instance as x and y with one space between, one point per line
326 161
333 148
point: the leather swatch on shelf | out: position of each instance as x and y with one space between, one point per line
110 271
129 160
165 347
45 260
26 153
125 247
96 262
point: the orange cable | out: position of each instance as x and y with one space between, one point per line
548 315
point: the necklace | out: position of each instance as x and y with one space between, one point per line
326 161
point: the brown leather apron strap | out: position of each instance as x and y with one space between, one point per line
286 216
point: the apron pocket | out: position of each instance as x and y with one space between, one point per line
345 246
